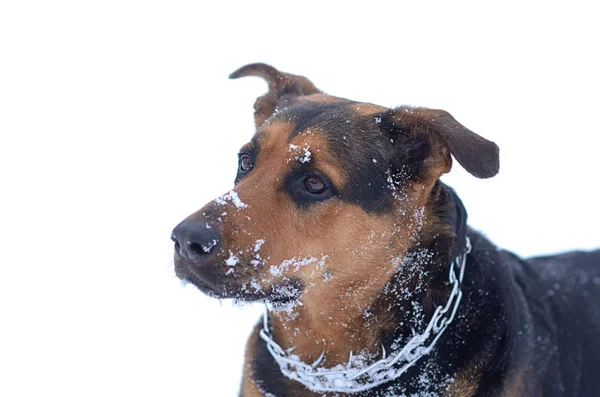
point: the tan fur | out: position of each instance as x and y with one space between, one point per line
466 382
327 312
518 384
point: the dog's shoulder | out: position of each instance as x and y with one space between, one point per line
569 284
552 317
570 293
561 322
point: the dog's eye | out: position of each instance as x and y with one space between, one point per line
315 185
307 187
245 164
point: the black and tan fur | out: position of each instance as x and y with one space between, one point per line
357 265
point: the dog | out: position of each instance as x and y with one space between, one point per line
373 282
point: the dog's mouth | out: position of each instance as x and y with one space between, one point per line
206 278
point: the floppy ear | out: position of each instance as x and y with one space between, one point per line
280 85
476 154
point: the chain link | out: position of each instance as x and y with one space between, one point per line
352 380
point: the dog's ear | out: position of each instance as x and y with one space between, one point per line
281 86
476 154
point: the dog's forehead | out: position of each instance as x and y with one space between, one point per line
349 134
340 124
345 141
331 117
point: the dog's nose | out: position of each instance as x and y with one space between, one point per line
194 240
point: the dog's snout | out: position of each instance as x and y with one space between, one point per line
194 240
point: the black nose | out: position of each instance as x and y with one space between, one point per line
194 240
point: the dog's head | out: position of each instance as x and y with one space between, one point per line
329 194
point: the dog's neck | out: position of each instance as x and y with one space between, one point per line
361 317
334 326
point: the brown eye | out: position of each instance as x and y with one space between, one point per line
314 185
245 163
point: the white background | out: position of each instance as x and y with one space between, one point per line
117 120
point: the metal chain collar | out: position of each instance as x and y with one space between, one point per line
352 380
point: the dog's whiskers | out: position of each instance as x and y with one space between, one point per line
171 263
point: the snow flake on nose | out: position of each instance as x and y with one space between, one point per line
233 197
232 260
